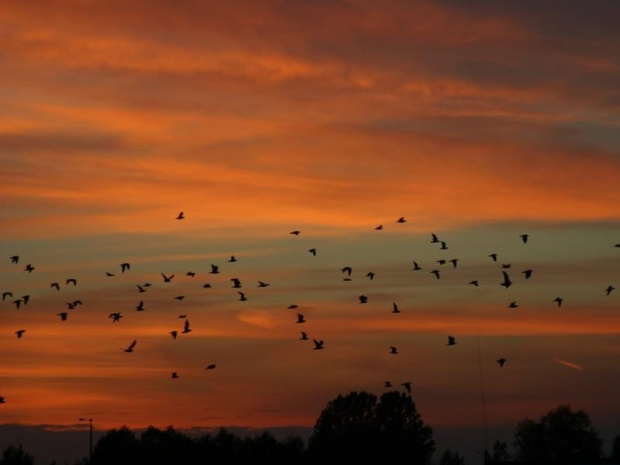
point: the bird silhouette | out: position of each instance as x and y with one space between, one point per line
262 284
505 266
182 316
130 348
493 256
71 281
55 285
527 273
213 366
180 216
395 308
174 375
617 245
207 286
454 261
416 267
347 269
435 272
236 283
474 283
379 228
451 341
507 282
387 384
140 306
242 296
109 275
232 259
363 299
443 246
295 233
14 259
370 275
214 269
401 220
393 350
29 268
26 299
312 251
559 301
300 318
513 305
524 237
167 279
441 262
2 400
292 307
6 294
407 386
191 274
20 333
18 303
116 316
125 266
609 289
179 297
186 328
501 362
304 336
140 288
62 315
318 345
174 334
434 238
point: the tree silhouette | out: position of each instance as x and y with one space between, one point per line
451 458
560 436
15 455
359 427
615 449
117 446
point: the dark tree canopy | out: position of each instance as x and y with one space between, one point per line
358 426
562 435
15 455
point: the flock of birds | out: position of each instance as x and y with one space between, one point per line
506 282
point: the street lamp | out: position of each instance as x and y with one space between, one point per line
90 442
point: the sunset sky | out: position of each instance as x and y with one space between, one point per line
475 120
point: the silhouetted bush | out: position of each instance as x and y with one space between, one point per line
451 458
15 455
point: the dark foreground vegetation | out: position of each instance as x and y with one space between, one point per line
356 428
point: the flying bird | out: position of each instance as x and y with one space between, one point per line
559 301
292 307
528 273
6 294
441 262
174 334
513 305
505 266
56 285
363 299
524 237
125 267
186 328
62 315
395 308
29 268
313 252
401 220
71 281
609 289
304 336
236 283
501 362
318 345
300 318
17 303
26 299
295 233
167 279
174 375
454 261
206 286
242 296
130 348
435 272
416 267
407 386
347 270
180 216
191 274
443 246
370 275
140 288
262 284
434 238
20 333
232 259
116 316
2 401
393 350
214 269
213 366
179 297
379 228
493 256
387 384
140 306
109 275
474 283
507 282
182 316
14 259
451 341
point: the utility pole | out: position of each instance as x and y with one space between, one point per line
90 438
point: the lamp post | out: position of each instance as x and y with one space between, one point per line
90 438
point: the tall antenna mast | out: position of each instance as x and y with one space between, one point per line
484 403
